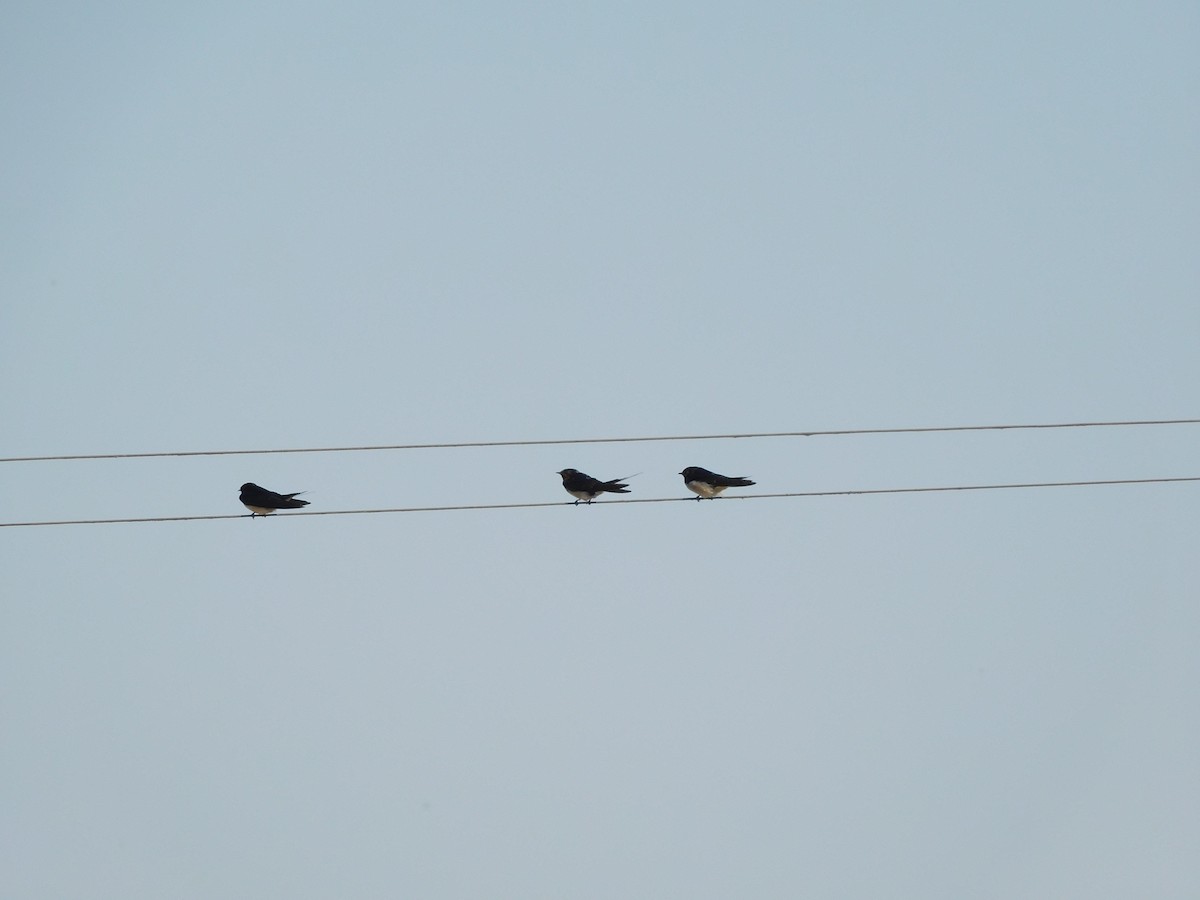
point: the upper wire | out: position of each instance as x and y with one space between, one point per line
838 432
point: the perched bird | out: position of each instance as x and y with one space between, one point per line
709 484
586 488
262 502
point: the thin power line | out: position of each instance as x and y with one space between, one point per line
609 440
475 506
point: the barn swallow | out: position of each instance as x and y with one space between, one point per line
262 502
586 488
709 484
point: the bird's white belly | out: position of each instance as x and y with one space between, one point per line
704 489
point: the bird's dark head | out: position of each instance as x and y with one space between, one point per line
250 486
568 472
691 473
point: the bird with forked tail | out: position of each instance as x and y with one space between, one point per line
262 502
586 488
707 485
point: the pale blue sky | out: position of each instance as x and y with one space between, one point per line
302 225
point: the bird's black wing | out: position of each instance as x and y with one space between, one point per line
729 480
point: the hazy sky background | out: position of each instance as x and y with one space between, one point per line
284 225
